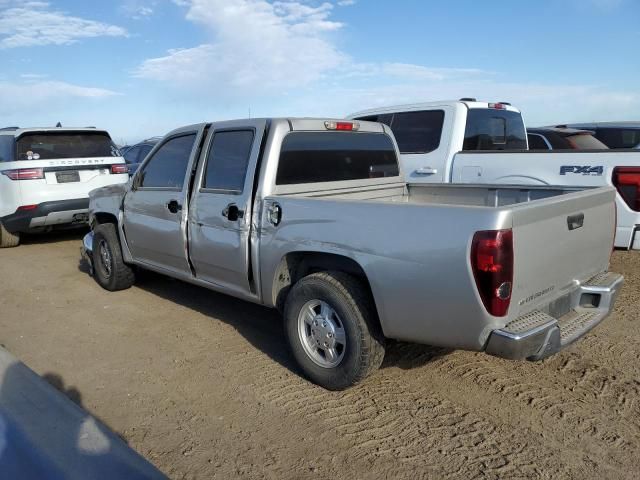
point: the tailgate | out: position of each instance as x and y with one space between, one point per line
559 243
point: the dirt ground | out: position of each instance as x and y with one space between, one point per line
203 385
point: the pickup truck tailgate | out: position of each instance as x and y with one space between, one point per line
560 243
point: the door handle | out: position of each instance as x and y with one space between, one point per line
426 171
173 206
232 213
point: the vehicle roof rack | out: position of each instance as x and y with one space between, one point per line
9 129
468 99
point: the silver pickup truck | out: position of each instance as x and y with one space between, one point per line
313 217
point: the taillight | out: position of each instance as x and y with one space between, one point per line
24 174
26 208
627 182
492 265
119 168
346 126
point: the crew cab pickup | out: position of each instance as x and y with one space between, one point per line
314 217
46 175
468 141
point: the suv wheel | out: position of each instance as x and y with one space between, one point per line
7 239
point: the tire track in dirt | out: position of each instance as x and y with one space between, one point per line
385 421
561 394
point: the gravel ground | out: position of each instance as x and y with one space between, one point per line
203 385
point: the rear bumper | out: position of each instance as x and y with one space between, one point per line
538 335
46 214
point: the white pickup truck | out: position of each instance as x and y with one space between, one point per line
467 141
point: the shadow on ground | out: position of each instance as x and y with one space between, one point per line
53 236
261 326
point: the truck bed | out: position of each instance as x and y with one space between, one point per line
423 234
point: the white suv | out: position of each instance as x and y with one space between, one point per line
46 175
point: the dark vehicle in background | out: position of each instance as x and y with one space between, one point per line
560 138
135 154
613 134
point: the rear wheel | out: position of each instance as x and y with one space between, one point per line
8 239
332 329
110 270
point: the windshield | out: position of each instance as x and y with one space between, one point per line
492 129
54 145
311 157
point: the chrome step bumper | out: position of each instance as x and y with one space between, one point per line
538 335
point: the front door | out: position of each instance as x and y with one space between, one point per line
154 218
220 212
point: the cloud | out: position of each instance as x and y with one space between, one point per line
346 3
32 23
258 44
285 58
138 9
41 95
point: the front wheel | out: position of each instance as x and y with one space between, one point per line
110 271
332 329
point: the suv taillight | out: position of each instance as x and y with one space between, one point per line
24 174
627 182
492 265
119 168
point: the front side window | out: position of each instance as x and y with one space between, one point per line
168 166
491 129
415 132
59 145
312 157
228 160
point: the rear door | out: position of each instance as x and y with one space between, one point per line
423 138
154 209
220 217
558 242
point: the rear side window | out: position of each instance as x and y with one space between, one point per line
312 157
228 160
6 148
54 145
490 129
415 132
131 155
168 166
536 142
619 137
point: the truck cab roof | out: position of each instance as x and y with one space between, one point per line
296 124
468 103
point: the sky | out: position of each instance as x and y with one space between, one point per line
140 68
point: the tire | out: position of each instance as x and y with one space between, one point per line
110 271
8 239
353 332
